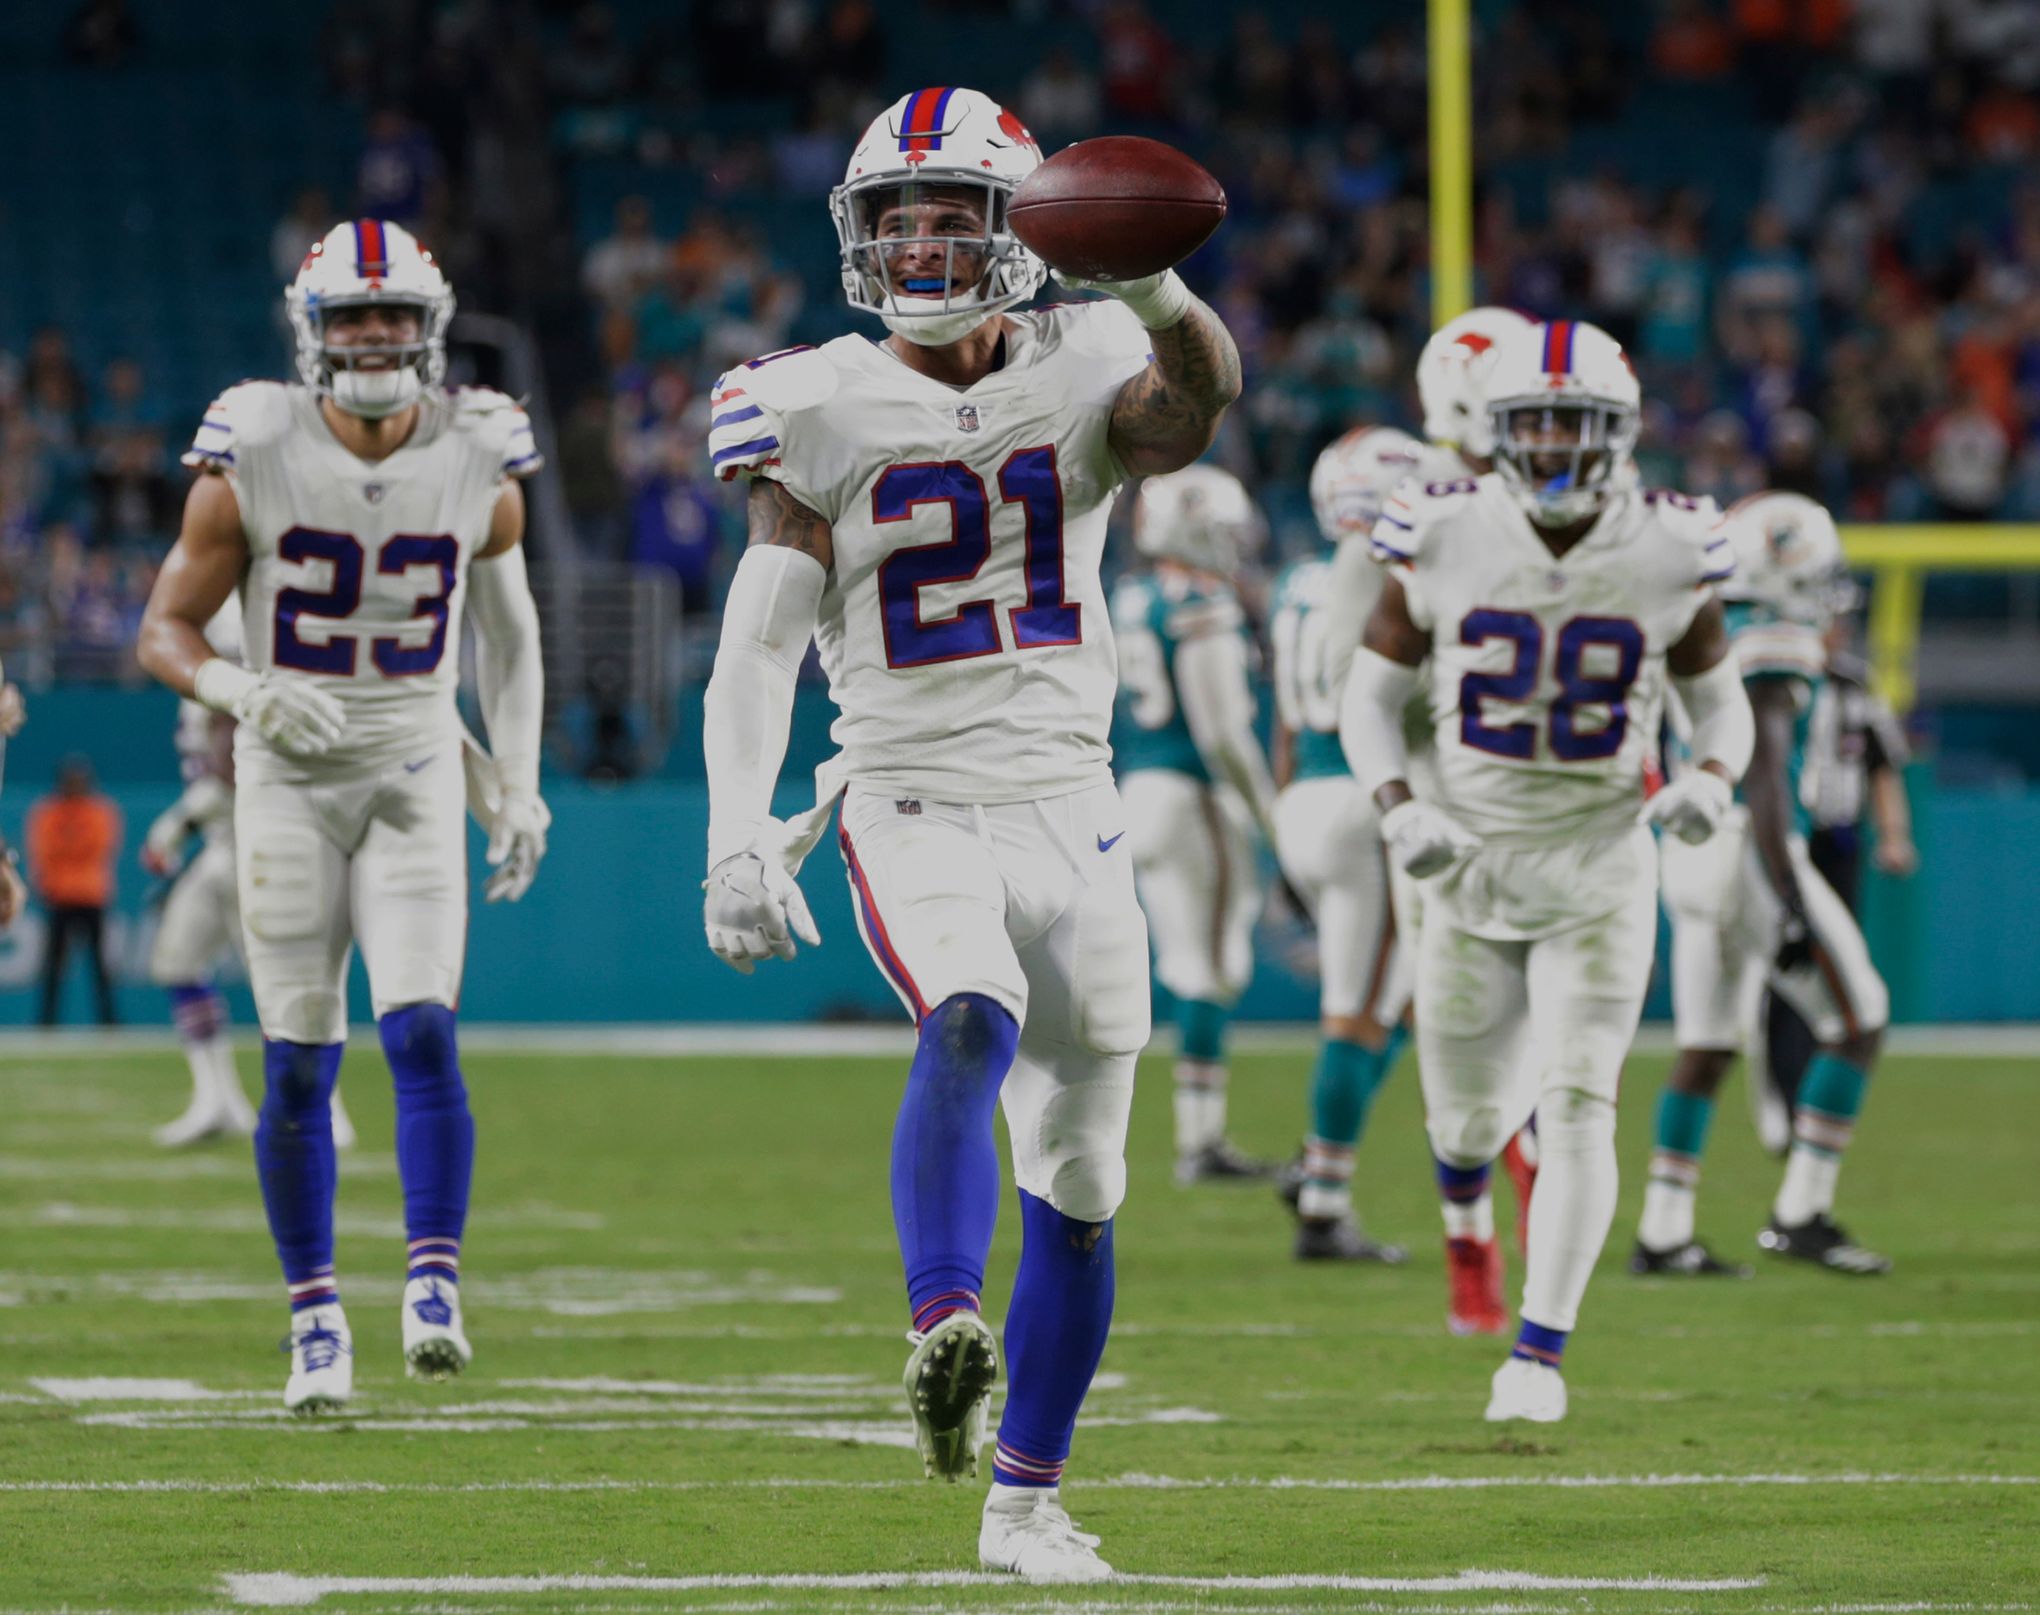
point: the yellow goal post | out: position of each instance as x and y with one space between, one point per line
1898 556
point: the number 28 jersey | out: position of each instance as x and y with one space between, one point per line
357 569
1547 674
963 627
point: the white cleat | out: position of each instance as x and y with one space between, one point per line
344 1136
435 1345
1527 1390
1027 1532
949 1382
203 1119
321 1361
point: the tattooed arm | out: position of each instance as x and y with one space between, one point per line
782 521
1167 415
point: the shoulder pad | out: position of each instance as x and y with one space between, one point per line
750 403
1411 511
498 423
1103 326
249 414
1697 524
1767 646
1198 612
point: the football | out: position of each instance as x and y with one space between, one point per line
1116 208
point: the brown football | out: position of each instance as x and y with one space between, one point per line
1116 208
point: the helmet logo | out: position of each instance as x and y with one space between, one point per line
1474 342
1016 131
917 158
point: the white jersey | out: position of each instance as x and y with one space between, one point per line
358 569
1546 677
964 627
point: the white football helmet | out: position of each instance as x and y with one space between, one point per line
1200 516
1354 476
1451 372
1788 557
936 145
362 262
1564 407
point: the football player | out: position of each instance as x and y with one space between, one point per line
1331 850
201 916
1452 373
1749 908
362 513
931 508
1552 599
1196 785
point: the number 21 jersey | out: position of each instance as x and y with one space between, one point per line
357 569
1546 677
964 627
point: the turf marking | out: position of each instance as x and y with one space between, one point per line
286 1590
107 1389
1135 1482
252 1219
561 1292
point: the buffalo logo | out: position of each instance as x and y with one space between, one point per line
1474 342
1016 131
966 417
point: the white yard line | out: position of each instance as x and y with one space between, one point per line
286 1590
1135 1482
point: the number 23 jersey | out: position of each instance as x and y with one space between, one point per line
1546 677
357 569
964 627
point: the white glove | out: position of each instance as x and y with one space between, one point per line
1424 841
751 905
516 843
1692 807
296 716
163 846
1157 301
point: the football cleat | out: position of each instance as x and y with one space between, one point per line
1220 1162
1290 1178
1474 1268
1028 1532
1821 1240
949 1380
344 1136
1341 1239
321 1361
435 1345
1526 1390
204 1119
1691 1258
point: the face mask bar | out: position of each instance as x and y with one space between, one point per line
1562 455
1008 274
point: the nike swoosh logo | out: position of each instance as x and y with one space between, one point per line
412 768
1107 846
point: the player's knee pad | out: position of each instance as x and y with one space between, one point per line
1574 1121
301 1012
1467 1134
1066 1111
424 1055
1114 1004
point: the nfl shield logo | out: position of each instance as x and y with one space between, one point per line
966 418
373 492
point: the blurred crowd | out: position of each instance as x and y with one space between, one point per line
1829 275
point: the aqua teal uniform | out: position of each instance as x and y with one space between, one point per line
1317 753
1152 614
1767 647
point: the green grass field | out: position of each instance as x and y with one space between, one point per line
686 1307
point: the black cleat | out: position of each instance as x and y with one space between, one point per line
1821 1240
1341 1239
1220 1162
1691 1259
1290 1178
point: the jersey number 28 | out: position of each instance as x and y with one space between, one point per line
1572 741
1027 479
337 653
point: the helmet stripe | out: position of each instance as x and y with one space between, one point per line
1558 346
371 256
921 129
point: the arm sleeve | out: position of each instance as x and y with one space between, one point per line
768 621
509 666
1724 729
1218 706
1371 719
1350 593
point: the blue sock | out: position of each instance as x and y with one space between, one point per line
945 1161
1055 1334
294 1161
1200 1029
435 1133
1462 1185
1537 1344
199 1011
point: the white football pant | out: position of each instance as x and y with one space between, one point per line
201 918
1193 860
1330 841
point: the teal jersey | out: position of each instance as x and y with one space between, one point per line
1306 708
1767 646
1152 615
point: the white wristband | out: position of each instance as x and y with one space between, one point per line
221 685
1161 304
